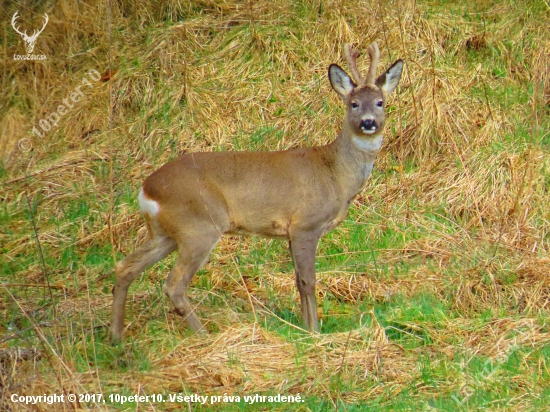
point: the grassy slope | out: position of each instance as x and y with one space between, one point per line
435 291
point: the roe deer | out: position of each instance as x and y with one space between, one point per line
298 195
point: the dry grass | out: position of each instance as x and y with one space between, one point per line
456 213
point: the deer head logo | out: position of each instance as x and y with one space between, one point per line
30 41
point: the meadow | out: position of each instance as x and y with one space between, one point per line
433 294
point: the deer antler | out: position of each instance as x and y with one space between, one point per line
37 32
14 27
374 54
351 57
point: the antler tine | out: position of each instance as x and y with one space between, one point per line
46 19
13 19
351 57
374 54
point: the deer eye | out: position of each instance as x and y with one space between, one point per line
380 103
354 105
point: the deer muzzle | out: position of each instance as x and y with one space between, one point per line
368 126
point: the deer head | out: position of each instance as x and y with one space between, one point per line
30 41
364 98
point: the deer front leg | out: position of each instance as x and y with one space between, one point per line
302 248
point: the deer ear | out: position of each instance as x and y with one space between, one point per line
340 81
388 81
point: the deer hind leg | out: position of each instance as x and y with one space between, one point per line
193 252
150 252
302 248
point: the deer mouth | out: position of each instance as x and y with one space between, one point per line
368 126
370 130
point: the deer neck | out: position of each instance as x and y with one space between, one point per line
355 156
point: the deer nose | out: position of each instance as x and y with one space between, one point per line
368 125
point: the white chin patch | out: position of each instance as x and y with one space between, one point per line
371 144
368 131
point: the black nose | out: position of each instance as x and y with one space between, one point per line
368 124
